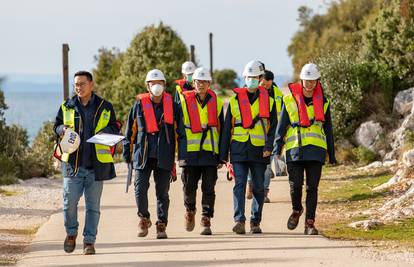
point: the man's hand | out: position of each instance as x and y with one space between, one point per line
267 154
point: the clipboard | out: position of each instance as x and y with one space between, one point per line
106 139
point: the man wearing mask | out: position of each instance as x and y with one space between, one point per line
150 146
85 169
275 93
199 121
185 84
248 132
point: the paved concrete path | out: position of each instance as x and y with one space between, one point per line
118 244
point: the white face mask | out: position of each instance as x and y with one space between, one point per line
157 89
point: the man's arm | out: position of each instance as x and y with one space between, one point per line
281 130
128 135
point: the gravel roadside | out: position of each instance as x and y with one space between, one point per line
24 208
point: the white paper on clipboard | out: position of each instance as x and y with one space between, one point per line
106 139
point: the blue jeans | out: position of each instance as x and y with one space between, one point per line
73 188
267 176
241 170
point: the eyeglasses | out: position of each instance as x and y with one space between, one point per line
82 84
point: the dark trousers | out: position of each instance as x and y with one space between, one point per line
296 170
162 186
241 170
191 176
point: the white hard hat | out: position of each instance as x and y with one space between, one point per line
155 75
188 67
309 72
253 68
70 141
202 74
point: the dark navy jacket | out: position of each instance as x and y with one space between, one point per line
140 148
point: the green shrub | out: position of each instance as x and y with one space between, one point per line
8 170
39 160
364 155
343 90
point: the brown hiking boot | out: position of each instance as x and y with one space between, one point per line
143 226
293 220
161 234
206 224
249 194
190 220
255 228
239 228
310 227
88 249
70 243
266 198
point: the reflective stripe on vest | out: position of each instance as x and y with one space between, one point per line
298 136
278 97
103 153
257 135
194 139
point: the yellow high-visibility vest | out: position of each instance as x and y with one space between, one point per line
258 133
298 136
103 153
194 139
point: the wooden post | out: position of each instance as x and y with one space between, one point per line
211 54
192 58
65 61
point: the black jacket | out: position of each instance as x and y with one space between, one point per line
166 151
246 151
200 158
306 153
103 171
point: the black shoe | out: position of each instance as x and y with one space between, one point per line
70 243
239 228
293 220
310 227
88 249
255 228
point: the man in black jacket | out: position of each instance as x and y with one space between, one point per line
150 145
305 130
85 169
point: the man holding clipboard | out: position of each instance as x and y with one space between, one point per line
86 167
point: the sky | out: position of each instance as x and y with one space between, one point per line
32 32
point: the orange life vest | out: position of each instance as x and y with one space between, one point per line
181 83
149 114
317 100
193 114
245 108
